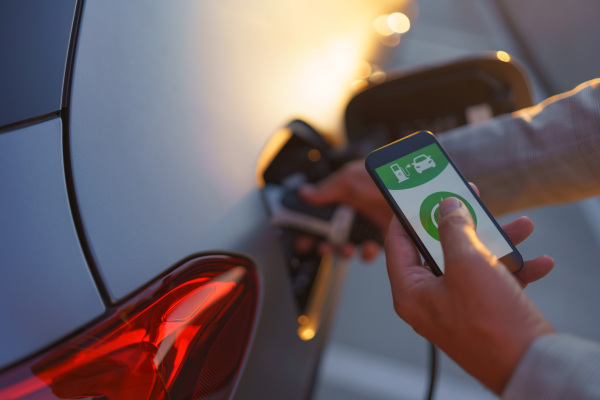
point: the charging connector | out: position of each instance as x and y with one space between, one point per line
337 224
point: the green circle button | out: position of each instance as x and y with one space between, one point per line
429 211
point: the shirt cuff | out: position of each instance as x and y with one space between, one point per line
557 366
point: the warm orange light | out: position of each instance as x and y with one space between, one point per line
382 26
359 85
378 77
398 22
324 76
306 333
314 155
503 56
391 40
364 70
271 149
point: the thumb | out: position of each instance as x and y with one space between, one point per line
460 244
328 191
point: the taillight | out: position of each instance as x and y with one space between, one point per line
183 337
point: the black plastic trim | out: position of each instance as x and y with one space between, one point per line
29 122
107 299
69 66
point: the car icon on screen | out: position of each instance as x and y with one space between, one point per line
423 162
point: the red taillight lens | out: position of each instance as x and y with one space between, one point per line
184 337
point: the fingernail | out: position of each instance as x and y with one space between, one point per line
448 205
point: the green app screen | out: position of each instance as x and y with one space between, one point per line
418 182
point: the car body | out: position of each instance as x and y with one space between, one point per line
130 133
130 136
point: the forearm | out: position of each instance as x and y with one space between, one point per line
557 367
546 154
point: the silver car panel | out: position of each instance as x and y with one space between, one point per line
154 172
170 108
46 286
166 124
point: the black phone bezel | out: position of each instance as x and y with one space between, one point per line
513 261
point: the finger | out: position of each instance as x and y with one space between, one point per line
370 250
534 269
325 248
328 191
518 230
402 259
304 243
399 246
460 244
475 188
347 250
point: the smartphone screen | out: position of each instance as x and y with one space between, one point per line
415 175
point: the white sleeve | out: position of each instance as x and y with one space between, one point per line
557 367
545 154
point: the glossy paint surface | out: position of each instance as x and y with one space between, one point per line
46 287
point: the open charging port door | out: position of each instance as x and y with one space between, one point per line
294 155
437 98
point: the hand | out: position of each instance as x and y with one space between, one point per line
351 185
477 313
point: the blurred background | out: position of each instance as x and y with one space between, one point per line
372 354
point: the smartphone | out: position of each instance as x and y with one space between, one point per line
415 174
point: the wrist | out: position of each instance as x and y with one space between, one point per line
510 348
491 352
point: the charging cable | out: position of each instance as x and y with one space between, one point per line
433 367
